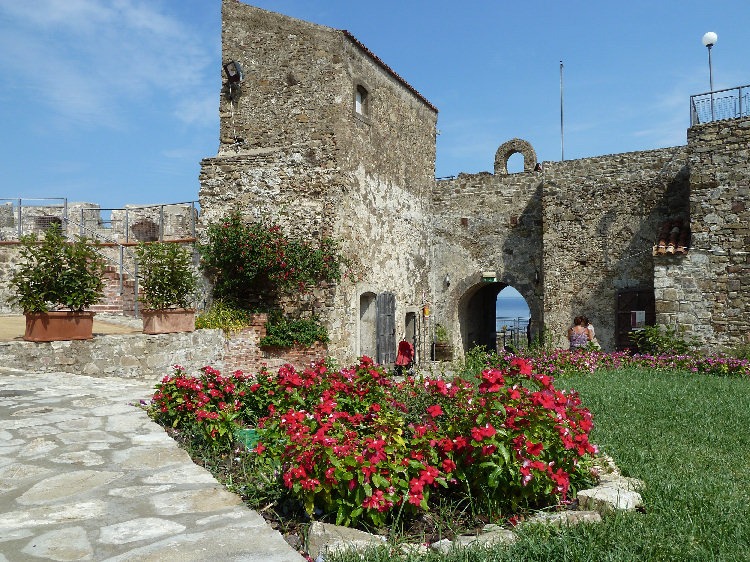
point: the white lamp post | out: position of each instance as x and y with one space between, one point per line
709 40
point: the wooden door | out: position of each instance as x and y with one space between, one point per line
386 328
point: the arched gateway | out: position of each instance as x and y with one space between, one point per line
477 318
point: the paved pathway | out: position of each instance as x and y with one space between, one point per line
86 475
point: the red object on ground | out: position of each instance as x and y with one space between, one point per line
405 353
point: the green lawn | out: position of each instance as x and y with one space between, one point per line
688 438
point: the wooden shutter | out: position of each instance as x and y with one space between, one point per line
386 328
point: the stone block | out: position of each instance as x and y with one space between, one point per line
566 518
617 495
324 539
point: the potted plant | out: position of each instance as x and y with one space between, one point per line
55 275
168 284
442 350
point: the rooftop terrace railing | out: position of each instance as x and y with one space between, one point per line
114 230
127 225
718 105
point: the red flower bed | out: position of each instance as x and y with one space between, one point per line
356 445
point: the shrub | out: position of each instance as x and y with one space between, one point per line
658 340
57 273
255 260
225 316
209 404
741 351
286 332
166 275
477 359
354 445
441 334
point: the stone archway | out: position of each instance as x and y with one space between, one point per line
508 149
472 311
476 315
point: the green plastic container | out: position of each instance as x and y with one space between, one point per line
248 437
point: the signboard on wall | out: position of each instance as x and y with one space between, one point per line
637 319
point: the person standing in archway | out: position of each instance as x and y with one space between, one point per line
405 356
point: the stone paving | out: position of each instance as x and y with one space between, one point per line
86 475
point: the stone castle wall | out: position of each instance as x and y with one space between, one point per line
485 222
568 237
326 140
707 292
601 217
572 237
293 147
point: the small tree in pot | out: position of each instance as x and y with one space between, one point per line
168 284
55 275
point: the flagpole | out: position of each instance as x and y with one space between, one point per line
562 130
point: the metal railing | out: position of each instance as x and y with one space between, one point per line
123 229
718 105
127 225
125 256
512 330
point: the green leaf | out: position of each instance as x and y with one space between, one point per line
379 481
494 478
309 503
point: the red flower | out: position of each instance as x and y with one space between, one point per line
448 465
435 410
479 433
534 449
523 366
428 475
492 381
415 498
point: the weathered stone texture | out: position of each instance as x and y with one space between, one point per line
484 222
292 147
151 357
712 284
326 140
601 217
129 356
569 238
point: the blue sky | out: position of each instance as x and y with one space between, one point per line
116 101
510 304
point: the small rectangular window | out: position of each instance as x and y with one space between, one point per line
360 101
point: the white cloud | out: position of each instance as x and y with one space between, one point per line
89 60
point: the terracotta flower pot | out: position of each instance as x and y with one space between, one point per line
59 325
168 321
